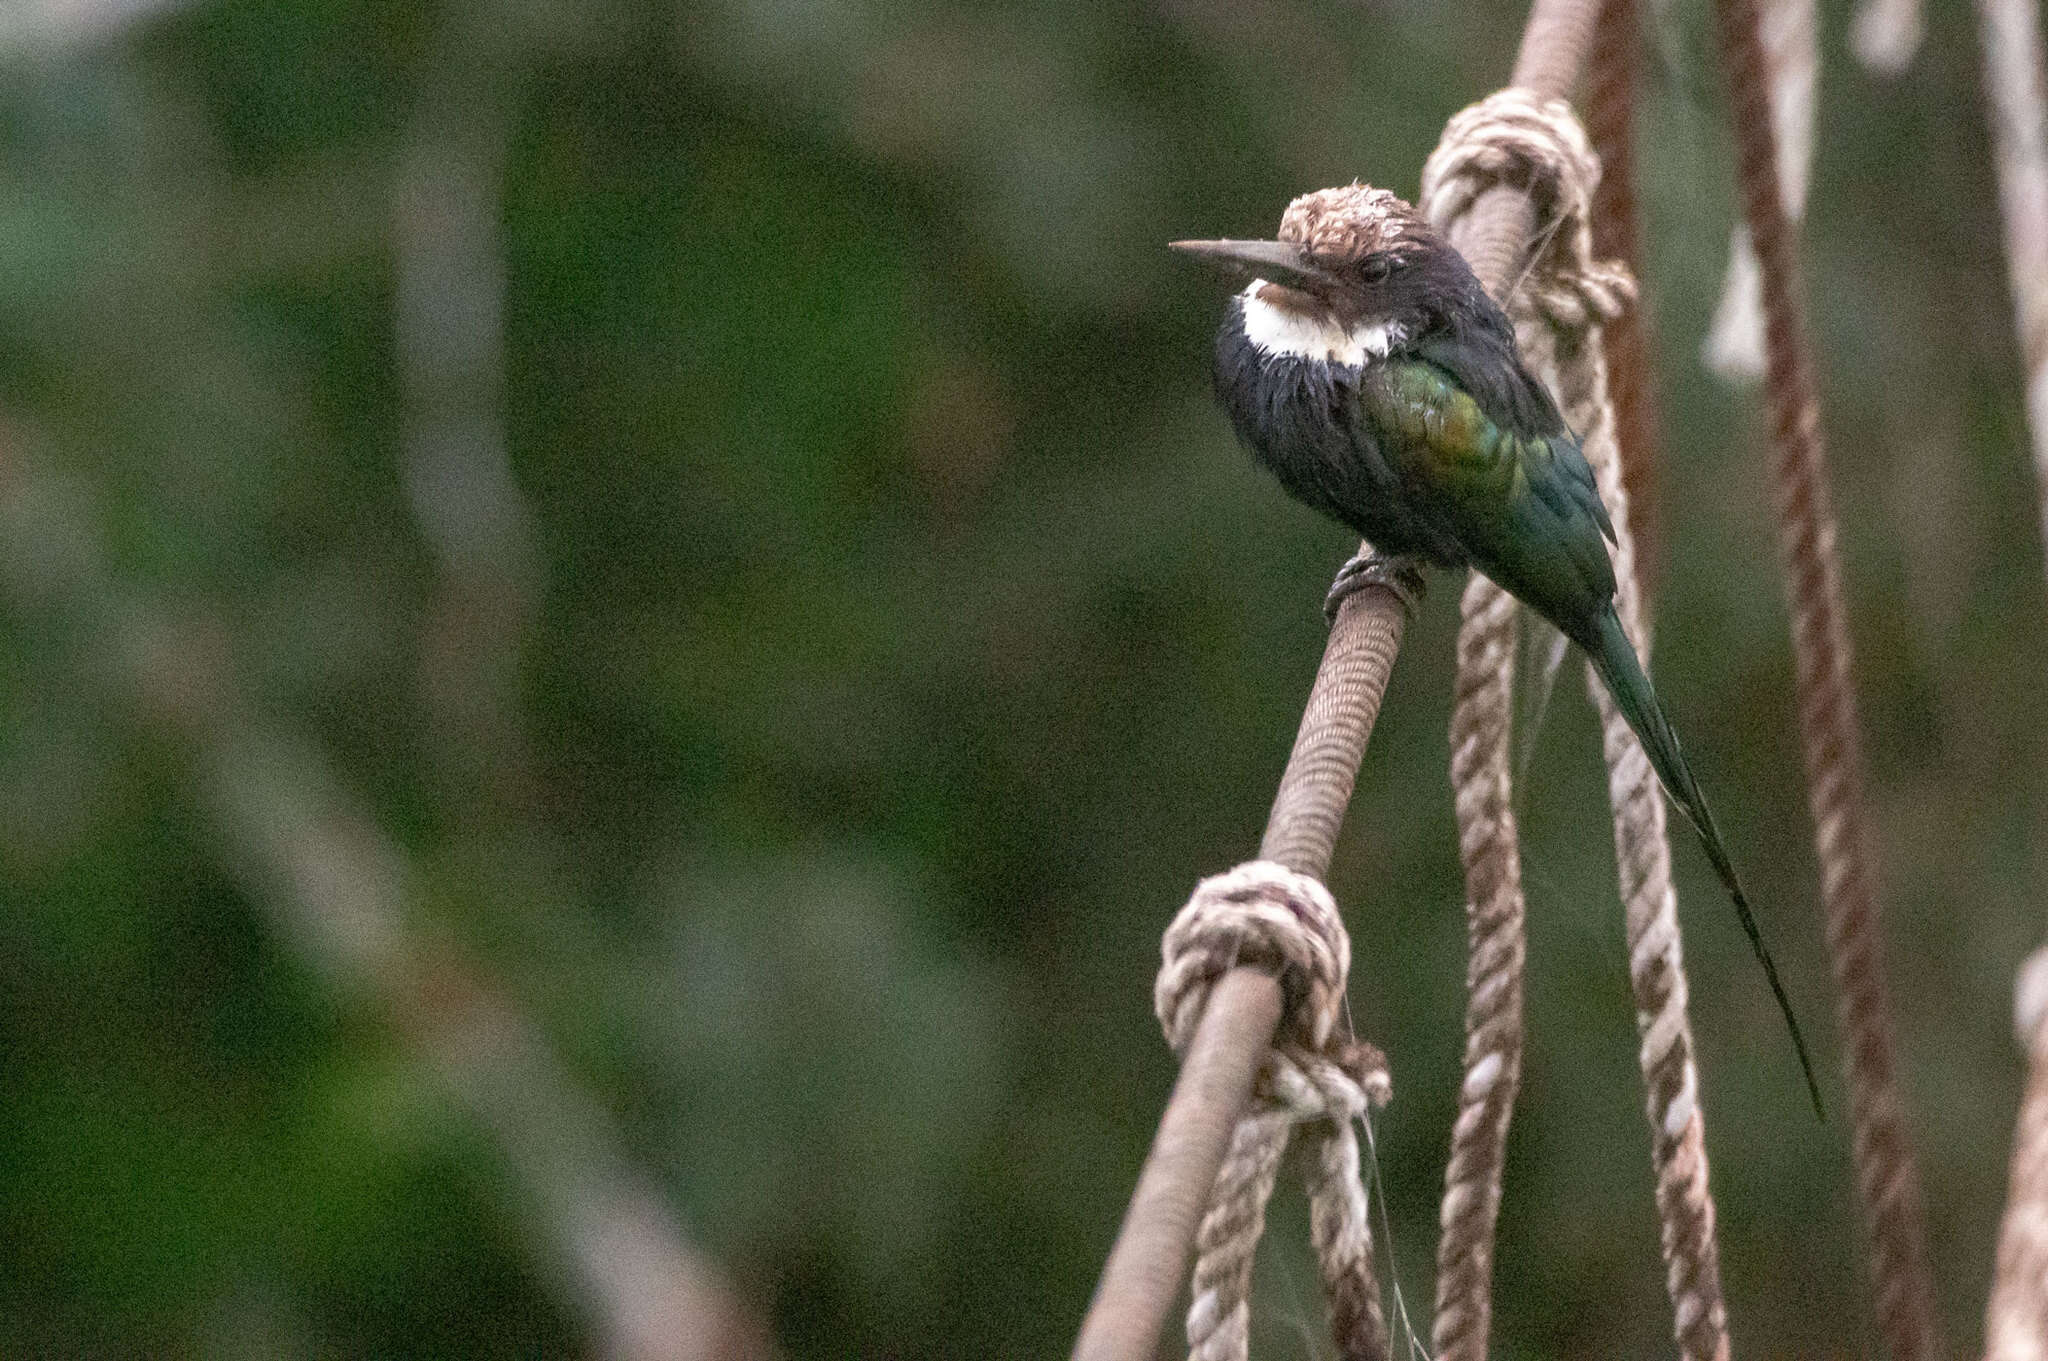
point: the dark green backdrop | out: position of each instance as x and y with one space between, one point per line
729 493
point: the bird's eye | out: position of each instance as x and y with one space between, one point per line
1376 268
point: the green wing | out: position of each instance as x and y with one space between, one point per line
1524 505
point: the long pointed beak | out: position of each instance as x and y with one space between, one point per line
1284 258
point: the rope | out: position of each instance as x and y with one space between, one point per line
1133 1294
2014 90
1642 850
1611 82
1734 347
1490 848
1336 724
2016 1318
1886 34
1567 297
1497 947
1265 913
1886 1176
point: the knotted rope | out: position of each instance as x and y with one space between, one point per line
1262 912
1132 1297
1559 305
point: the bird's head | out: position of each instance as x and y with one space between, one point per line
1355 272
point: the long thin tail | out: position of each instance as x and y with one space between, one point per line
1615 660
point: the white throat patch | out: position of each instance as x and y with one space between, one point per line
1275 330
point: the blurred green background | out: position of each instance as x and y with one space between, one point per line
616 609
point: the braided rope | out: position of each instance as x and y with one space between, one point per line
1489 846
1262 912
1887 1177
1567 297
1569 358
1642 850
2016 89
1734 347
1123 1319
2016 1315
1497 946
1886 34
1611 84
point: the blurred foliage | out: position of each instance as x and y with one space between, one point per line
869 637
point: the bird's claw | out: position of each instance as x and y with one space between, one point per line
1399 574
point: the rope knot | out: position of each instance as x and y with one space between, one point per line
1317 1075
1513 137
1258 913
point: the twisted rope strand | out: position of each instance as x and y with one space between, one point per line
1220 1309
1497 948
1642 850
1568 297
2016 1316
1734 347
2016 96
1482 147
1568 353
1886 34
1886 1176
1611 84
1489 846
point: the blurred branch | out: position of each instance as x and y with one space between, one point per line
450 331
28 27
340 892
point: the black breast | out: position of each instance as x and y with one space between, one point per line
1302 419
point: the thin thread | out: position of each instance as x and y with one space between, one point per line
1886 1176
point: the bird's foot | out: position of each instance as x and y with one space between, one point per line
1398 573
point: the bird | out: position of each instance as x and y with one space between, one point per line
1366 367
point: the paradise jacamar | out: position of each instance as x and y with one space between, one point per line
1366 367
